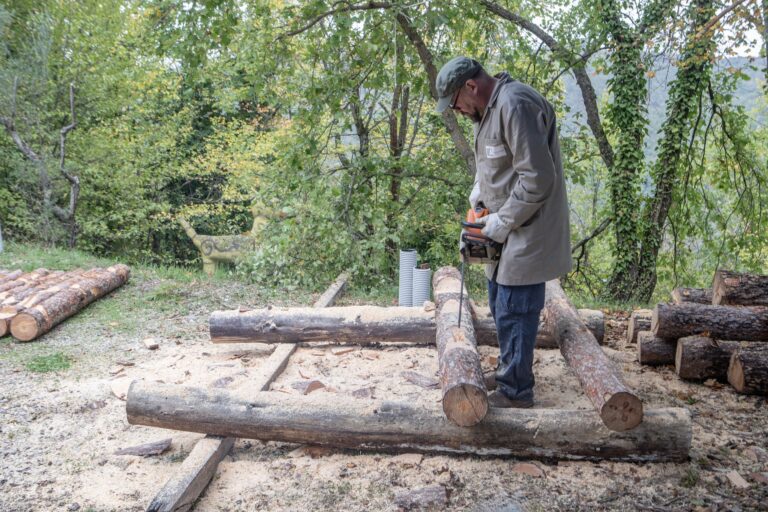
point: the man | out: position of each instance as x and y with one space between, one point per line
520 180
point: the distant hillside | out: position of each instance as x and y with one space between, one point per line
748 94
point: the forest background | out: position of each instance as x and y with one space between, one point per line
121 116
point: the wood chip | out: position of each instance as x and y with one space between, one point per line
761 478
371 356
303 375
526 468
150 343
307 387
311 451
337 351
363 393
432 497
318 353
420 380
120 387
408 460
147 449
429 306
125 363
116 369
737 480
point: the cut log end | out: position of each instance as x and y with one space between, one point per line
24 327
622 411
465 405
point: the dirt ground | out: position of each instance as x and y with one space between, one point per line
59 431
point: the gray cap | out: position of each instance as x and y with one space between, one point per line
453 75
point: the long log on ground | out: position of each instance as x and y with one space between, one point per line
330 295
360 325
664 435
736 288
619 408
701 357
464 397
692 295
22 282
639 320
18 294
39 319
721 322
652 350
37 296
748 370
11 276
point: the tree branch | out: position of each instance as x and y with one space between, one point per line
346 7
603 225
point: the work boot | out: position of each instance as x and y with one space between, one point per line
489 378
499 400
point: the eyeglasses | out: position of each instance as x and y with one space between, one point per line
452 106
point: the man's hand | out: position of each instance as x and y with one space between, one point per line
494 228
474 196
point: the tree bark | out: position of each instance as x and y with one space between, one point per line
721 322
619 408
693 295
700 357
734 288
10 276
639 320
465 399
39 319
748 370
665 435
22 282
652 350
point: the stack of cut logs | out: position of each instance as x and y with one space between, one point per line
32 303
718 333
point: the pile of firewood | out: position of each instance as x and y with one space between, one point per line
32 303
718 333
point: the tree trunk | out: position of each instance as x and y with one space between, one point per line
721 322
734 288
619 408
748 369
361 325
694 295
652 350
465 399
665 435
39 319
639 320
700 357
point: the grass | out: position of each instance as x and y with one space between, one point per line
691 477
50 363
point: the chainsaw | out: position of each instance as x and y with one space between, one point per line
476 247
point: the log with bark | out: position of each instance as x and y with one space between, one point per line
722 322
41 318
464 397
694 295
360 325
639 320
701 357
23 281
736 288
15 295
665 435
619 408
10 276
652 350
748 369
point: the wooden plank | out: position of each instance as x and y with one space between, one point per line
333 292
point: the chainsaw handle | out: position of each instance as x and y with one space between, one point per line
465 224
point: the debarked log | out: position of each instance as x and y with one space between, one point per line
464 397
749 323
360 325
619 408
664 435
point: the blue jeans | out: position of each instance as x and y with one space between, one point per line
516 310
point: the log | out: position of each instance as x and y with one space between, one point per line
701 357
22 282
748 370
18 294
39 319
360 325
333 292
665 435
694 295
721 322
652 350
639 320
10 276
618 407
37 296
464 397
736 288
